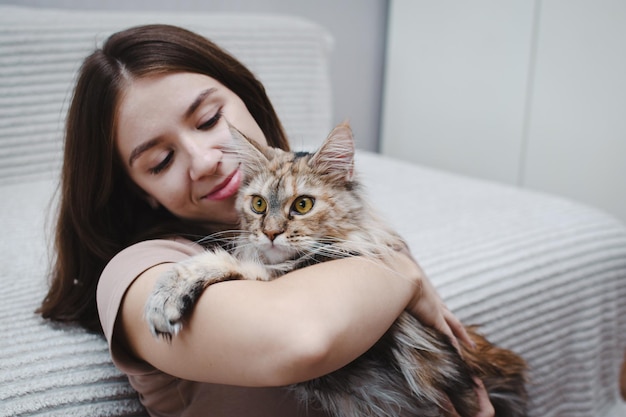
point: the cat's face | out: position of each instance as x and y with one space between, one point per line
292 204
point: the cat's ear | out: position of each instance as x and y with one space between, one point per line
336 155
250 153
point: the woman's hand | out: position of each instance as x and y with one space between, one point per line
429 306
486 409
430 309
426 304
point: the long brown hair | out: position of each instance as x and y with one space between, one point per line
100 210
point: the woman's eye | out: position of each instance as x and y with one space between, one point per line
302 205
258 204
163 164
211 122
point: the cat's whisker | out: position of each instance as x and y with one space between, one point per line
224 236
351 247
375 253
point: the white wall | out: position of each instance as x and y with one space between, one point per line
358 28
531 93
577 123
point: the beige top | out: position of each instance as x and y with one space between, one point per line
161 393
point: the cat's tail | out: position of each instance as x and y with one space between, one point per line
503 374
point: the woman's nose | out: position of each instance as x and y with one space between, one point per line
204 161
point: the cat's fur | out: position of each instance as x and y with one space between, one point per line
413 368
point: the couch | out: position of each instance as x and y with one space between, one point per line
540 274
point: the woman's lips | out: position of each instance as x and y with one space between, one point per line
227 188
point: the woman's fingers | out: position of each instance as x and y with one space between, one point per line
457 329
486 408
430 309
442 318
443 325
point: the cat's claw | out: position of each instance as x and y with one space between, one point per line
160 323
165 307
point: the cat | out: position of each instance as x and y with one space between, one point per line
299 208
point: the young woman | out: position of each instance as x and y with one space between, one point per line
144 176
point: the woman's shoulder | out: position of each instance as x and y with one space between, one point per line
135 259
155 248
130 263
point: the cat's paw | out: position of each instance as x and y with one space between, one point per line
171 298
178 289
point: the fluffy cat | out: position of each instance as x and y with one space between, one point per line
301 208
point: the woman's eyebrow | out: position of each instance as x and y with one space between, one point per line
141 149
198 101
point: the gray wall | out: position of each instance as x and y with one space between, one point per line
357 26
529 93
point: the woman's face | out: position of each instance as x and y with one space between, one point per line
171 132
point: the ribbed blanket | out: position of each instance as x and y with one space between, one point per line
542 275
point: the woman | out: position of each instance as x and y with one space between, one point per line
143 176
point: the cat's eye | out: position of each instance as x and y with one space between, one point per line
258 204
302 205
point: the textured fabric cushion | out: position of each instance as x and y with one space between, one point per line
41 50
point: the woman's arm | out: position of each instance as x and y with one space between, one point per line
301 326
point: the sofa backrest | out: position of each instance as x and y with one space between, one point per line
41 51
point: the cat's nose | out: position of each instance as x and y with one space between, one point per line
272 234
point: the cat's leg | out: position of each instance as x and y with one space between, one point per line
177 290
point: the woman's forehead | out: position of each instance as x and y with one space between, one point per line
150 103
